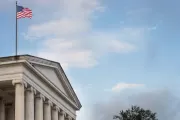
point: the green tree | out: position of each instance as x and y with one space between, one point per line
136 113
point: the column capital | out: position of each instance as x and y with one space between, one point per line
40 96
48 102
62 112
19 81
31 89
56 108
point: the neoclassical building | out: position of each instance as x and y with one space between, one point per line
33 88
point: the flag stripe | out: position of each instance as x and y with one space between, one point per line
24 13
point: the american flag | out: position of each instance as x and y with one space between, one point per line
23 12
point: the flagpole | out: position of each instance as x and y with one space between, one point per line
16 47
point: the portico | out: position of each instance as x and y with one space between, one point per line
32 88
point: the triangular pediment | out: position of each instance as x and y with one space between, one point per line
52 76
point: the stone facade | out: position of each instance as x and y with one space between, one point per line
32 88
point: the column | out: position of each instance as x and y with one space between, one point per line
29 104
39 107
2 110
61 115
10 113
47 110
19 99
55 111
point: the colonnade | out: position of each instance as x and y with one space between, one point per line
31 105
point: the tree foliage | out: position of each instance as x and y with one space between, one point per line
136 113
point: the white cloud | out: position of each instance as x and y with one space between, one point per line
71 40
121 86
81 53
59 28
68 52
72 50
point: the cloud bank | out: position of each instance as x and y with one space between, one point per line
163 102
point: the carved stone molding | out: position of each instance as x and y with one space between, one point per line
48 102
14 82
39 95
31 89
56 108
62 112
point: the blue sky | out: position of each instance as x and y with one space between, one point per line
107 48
